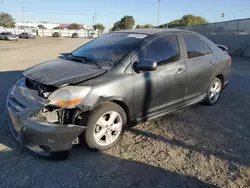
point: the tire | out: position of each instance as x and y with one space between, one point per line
215 86
102 114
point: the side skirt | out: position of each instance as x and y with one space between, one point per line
172 108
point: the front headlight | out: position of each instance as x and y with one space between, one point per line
69 96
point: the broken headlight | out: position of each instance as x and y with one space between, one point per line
69 96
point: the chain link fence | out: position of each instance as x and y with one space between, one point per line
234 27
234 34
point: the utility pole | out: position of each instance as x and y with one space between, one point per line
95 15
23 15
158 12
93 21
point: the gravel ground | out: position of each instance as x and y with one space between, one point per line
195 147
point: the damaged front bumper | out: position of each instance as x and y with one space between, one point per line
38 135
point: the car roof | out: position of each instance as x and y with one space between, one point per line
155 31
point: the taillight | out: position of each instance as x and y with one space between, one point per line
230 60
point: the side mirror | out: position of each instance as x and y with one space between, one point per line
64 54
145 65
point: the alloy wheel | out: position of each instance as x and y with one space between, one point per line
214 92
108 128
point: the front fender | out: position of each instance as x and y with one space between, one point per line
91 104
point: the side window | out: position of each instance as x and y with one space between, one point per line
162 50
194 46
207 50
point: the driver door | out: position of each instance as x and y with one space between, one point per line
157 90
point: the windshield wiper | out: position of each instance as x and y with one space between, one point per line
88 59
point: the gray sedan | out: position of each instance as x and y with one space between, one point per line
27 36
117 80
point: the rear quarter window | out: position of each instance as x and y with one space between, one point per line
207 50
194 46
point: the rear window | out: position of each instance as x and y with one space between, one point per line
194 46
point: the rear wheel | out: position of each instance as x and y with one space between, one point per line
105 126
214 91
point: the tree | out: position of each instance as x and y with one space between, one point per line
186 20
99 26
41 26
139 26
190 19
74 26
6 20
163 26
144 26
174 23
127 22
116 26
149 26
58 27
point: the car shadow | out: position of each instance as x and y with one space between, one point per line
7 80
221 130
87 169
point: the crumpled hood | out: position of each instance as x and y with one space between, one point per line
58 72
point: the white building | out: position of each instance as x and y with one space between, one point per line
47 25
35 24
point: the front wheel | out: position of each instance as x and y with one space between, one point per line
214 91
105 126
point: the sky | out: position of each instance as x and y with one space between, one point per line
110 11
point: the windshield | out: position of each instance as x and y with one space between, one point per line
110 48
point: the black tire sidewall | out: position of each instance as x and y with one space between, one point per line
208 100
92 118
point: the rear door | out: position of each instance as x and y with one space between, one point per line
165 86
200 63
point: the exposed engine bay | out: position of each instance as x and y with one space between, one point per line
60 115
42 90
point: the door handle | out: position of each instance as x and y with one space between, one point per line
180 70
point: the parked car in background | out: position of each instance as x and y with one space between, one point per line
75 35
27 35
8 36
56 34
92 35
93 93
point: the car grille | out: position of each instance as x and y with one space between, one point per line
15 109
15 105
